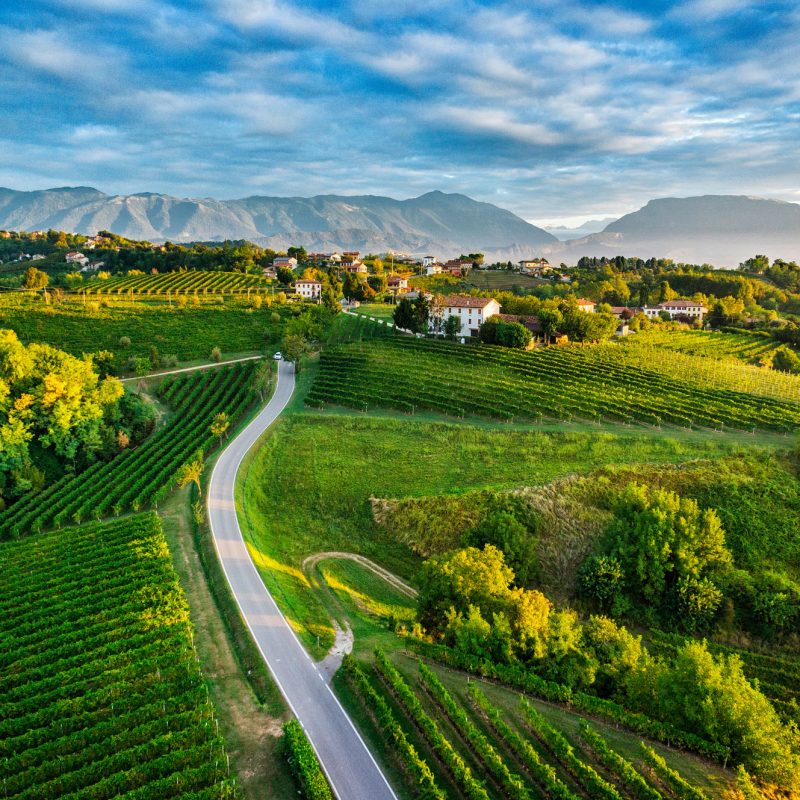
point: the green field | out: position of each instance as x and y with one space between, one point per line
589 383
100 692
140 477
308 488
745 345
188 332
378 310
196 283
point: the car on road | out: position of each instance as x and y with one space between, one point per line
278 356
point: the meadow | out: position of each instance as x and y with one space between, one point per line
100 692
188 333
307 489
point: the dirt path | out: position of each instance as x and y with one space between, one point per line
409 591
189 369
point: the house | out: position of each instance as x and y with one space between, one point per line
308 290
677 308
587 306
457 266
37 257
625 312
397 283
269 272
433 269
534 325
534 266
352 255
74 257
427 261
287 262
353 265
471 311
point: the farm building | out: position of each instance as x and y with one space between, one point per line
308 290
471 311
287 262
677 308
587 306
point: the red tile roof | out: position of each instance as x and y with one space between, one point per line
463 301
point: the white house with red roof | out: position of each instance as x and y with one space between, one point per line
677 308
472 312
587 306
308 289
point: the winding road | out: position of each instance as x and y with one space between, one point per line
347 762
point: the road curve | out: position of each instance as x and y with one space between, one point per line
345 758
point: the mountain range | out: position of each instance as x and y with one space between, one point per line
717 229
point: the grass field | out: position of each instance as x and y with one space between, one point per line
308 488
188 333
100 691
378 310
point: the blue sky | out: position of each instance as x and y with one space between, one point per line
557 109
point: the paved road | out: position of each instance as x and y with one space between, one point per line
348 764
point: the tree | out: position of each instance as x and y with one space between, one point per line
503 530
665 292
262 379
550 319
452 327
670 550
216 354
35 279
294 348
786 360
191 472
220 424
513 334
758 264
297 252
403 315
285 276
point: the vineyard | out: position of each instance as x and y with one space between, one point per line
457 741
142 476
565 383
179 283
100 692
722 360
188 333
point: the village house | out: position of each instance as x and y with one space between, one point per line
677 308
397 283
433 269
308 289
287 262
269 272
472 312
457 266
74 257
353 265
427 261
587 306
625 312
37 257
534 266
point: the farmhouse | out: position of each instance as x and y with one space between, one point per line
457 266
625 312
471 311
353 265
397 283
677 308
534 266
308 290
287 262
74 257
428 260
587 306
433 269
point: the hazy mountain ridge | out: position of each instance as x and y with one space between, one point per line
717 229
435 221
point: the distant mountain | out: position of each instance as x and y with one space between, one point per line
722 230
436 223
564 233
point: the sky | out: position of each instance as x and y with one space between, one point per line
559 110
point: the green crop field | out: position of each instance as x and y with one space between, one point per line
590 383
139 477
446 737
200 283
100 692
188 333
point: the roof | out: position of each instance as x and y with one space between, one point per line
681 304
307 282
533 324
582 301
463 301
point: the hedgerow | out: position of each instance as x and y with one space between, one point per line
303 763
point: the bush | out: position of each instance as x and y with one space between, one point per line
216 354
303 763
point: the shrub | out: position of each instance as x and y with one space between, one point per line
303 763
216 354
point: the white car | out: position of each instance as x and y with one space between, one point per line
277 356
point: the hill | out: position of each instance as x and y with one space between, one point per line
718 229
437 222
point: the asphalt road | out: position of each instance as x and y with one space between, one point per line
345 758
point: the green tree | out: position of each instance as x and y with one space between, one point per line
294 348
550 319
513 334
452 327
504 531
220 424
262 379
191 472
35 279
